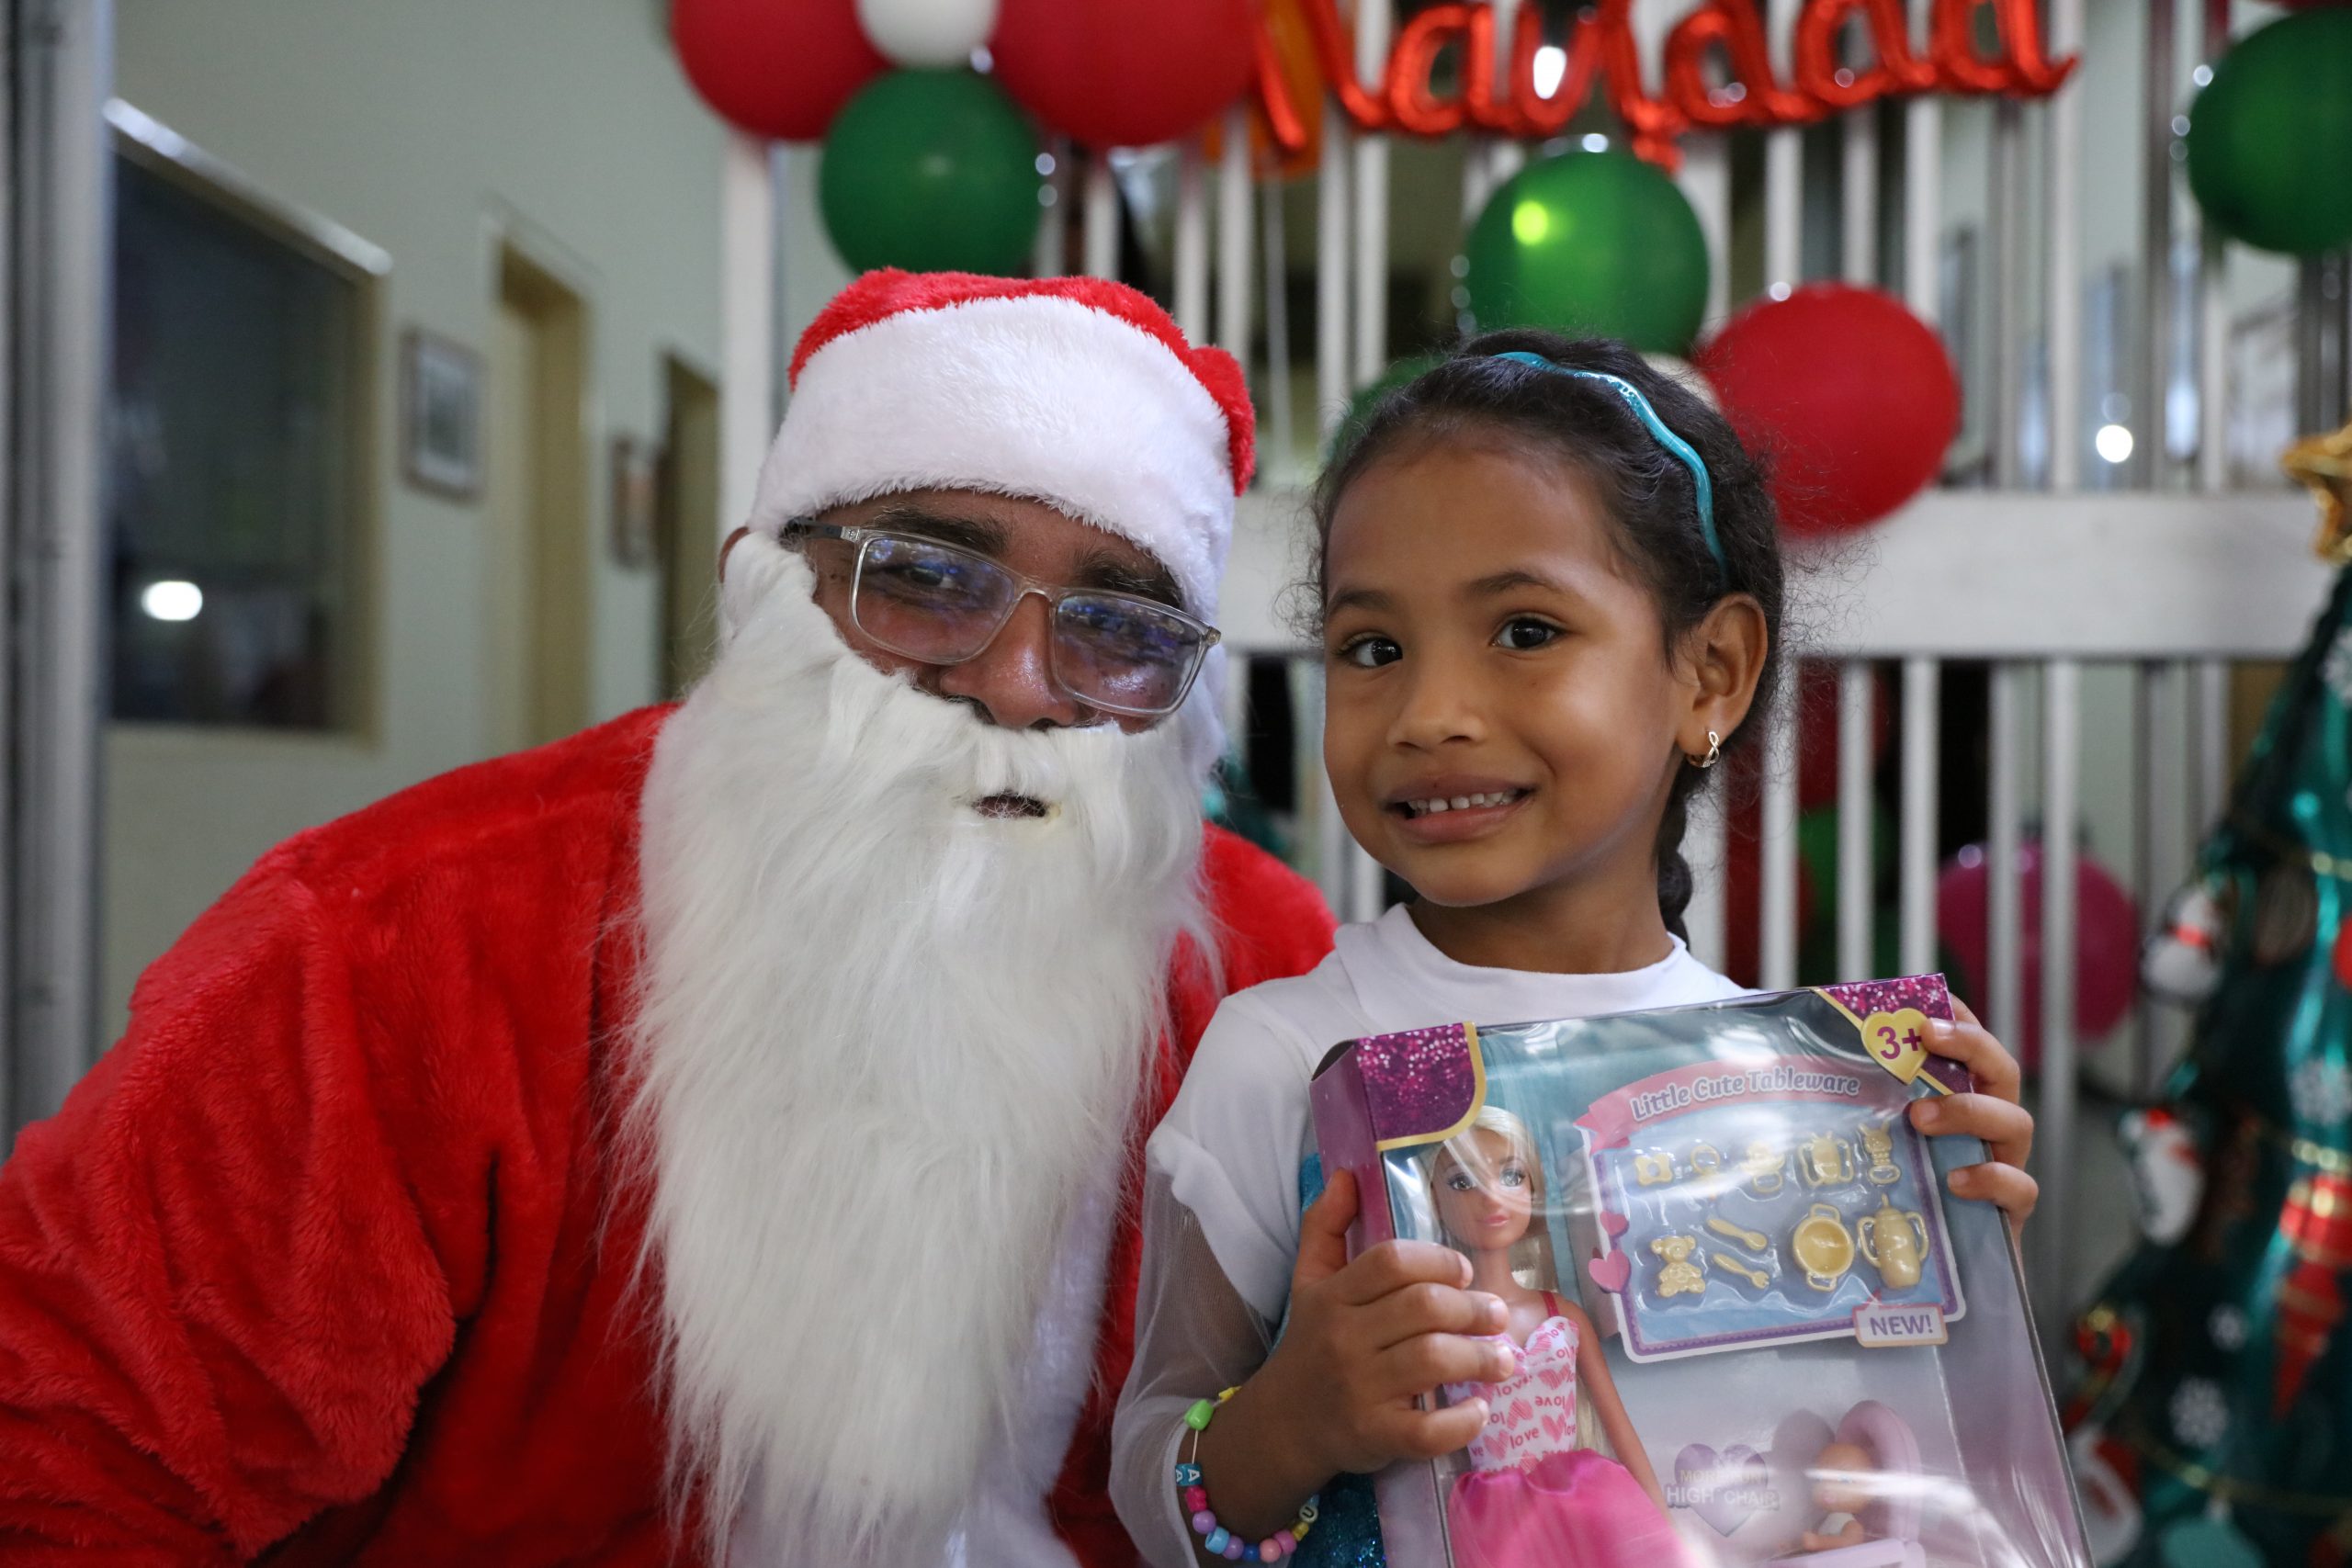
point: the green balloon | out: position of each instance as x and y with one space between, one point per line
2270 138
932 171
1592 243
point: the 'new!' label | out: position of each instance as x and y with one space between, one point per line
1883 1325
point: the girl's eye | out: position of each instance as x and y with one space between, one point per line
1369 651
1460 1181
1523 634
1514 1176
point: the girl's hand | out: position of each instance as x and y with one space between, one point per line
1992 1113
1367 1338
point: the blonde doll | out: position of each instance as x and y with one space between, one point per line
1557 1472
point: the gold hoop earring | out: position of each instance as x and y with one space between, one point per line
1715 753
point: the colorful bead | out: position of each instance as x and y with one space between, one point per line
1188 1475
1285 1543
1268 1552
1203 1522
1197 1417
1219 1538
1232 1549
1196 1498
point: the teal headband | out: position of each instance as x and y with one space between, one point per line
1675 445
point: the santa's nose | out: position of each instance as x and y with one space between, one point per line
1011 679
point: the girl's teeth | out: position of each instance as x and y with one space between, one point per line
1460 802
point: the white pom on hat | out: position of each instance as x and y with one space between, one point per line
1075 391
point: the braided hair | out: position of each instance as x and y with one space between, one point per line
1647 493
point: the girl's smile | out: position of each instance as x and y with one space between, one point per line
1455 807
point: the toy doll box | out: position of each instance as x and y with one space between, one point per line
1814 1352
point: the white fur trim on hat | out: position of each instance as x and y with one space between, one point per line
1038 394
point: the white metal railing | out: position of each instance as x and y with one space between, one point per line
2033 584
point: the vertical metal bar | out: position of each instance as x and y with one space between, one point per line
1050 258
1923 181
1922 689
747 307
1191 259
1777 919
1857 710
2212 776
55 537
2004 237
1501 156
1784 177
1280 436
1102 217
1858 141
10 746
1334 376
2065 309
2152 376
2165 831
1703 849
1235 213
2062 721
2213 300
1374 23
1706 179
2003 999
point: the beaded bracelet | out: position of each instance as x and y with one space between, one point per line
1223 1543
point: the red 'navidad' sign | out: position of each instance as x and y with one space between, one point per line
1602 46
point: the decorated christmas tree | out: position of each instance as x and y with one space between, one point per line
2214 1426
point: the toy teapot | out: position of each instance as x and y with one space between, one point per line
1895 1241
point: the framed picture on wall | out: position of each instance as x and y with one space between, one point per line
636 501
441 414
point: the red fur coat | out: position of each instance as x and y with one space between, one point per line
324 1261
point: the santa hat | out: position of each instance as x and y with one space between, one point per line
1074 391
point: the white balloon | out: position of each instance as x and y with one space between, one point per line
927 33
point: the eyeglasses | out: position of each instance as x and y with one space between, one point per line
1117 652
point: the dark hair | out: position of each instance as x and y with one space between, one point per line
1646 491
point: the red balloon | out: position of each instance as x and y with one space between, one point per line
1850 395
775 68
1111 74
2107 939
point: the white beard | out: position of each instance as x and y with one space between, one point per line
884 1048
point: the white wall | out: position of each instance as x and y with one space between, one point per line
427 127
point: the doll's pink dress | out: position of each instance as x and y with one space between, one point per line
1536 1499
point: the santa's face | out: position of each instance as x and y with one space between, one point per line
1010 682
889 1041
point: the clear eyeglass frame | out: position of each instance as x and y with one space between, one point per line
1193 638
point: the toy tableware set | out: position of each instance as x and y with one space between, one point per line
1786 1342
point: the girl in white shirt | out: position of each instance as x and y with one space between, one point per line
1550 595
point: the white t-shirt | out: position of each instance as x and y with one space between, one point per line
1232 1143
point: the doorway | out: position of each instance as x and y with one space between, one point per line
536 589
688 525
